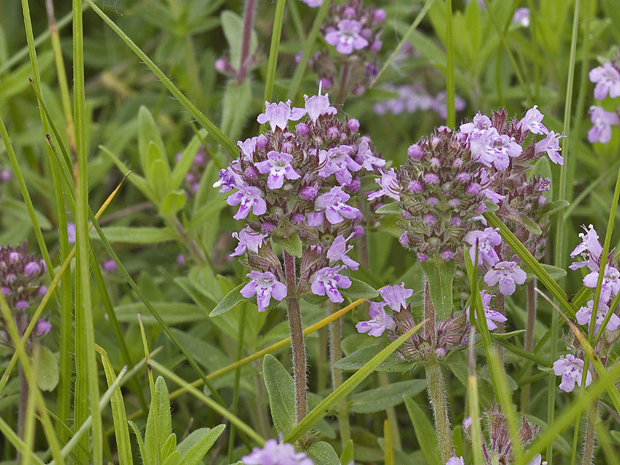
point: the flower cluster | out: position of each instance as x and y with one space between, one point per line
352 30
415 97
276 453
497 447
299 185
607 80
191 182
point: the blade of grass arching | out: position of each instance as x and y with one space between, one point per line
498 74
413 27
520 352
388 445
605 440
473 400
31 408
560 249
274 49
307 51
86 374
174 90
576 408
502 37
450 91
20 350
75 440
222 410
19 445
345 389
231 437
534 41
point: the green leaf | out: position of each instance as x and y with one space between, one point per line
359 290
424 431
148 133
377 400
168 449
236 106
172 313
526 222
390 209
347 454
128 235
173 202
291 244
173 459
231 300
197 444
164 417
140 182
207 211
323 454
314 299
232 24
157 172
555 272
147 460
361 357
440 275
47 376
554 207
490 206
281 389
186 160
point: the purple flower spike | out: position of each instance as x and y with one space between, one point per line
338 252
584 315
590 249
248 198
507 274
395 296
486 240
278 165
264 286
248 240
347 38
389 186
279 114
326 281
551 145
318 105
571 370
611 282
607 79
333 205
338 161
379 323
276 453
603 121
532 121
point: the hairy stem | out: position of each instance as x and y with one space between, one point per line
335 353
248 22
588 447
437 394
298 345
528 344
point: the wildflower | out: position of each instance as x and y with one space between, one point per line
491 315
338 252
492 149
248 240
338 161
278 165
347 38
366 157
276 453
110 265
551 145
607 79
602 120
21 276
71 231
227 182
571 370
264 286
532 121
395 296
507 274
327 280
584 315
590 249
611 282
521 16
333 206
318 105
248 198
389 186
279 114
454 460
485 241
379 322
42 328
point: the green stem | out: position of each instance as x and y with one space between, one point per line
342 410
450 87
588 449
528 344
384 381
437 395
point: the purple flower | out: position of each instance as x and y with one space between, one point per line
110 265
491 315
338 252
486 241
318 105
522 17
276 453
395 296
347 38
454 460
228 181
42 328
607 79
248 198
278 165
313 3
507 274
326 281
366 158
389 186
480 123
265 286
248 146
333 205
338 161
611 282
571 370
551 145
602 120
380 321
248 240
71 232
532 120
590 249
490 148
279 114
584 315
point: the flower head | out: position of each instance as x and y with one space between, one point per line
454 460
571 370
318 105
551 145
486 241
379 322
278 165
264 286
249 198
333 205
338 252
276 453
347 38
584 315
607 79
507 274
389 186
590 249
279 114
327 280
603 121
532 120
491 315
395 296
248 240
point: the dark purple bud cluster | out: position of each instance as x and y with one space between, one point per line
191 182
497 447
21 276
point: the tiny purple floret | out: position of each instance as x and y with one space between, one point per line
507 274
327 280
264 286
379 322
571 370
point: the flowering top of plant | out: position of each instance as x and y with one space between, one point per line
21 276
607 80
298 186
276 453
